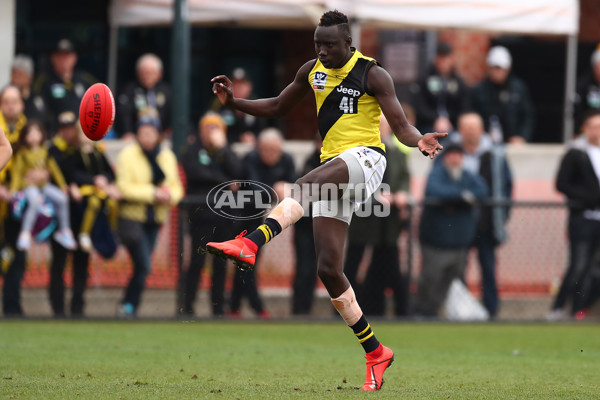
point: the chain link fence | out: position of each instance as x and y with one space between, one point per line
529 269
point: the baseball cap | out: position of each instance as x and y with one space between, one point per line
443 49
499 56
67 118
65 45
454 146
149 120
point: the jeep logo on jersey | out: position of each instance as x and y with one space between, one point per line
319 80
351 92
241 200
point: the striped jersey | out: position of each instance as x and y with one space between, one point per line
347 114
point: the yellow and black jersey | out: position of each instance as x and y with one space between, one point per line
348 115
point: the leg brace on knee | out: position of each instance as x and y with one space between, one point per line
347 306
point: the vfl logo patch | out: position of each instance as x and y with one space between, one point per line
319 80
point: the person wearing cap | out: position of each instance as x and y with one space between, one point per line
147 94
587 98
22 77
63 86
441 95
241 127
64 147
148 178
503 101
447 227
207 162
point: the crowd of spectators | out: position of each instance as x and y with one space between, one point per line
60 187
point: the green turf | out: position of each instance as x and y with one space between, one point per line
214 360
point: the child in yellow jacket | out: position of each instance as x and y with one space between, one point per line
31 155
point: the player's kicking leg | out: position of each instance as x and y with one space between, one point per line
242 250
330 236
331 220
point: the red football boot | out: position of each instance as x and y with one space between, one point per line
376 366
236 250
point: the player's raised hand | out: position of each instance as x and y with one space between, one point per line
429 144
223 88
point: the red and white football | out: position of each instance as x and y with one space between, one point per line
97 111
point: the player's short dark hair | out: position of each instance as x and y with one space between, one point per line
335 17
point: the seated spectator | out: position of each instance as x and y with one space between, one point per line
503 101
208 162
447 228
147 95
147 176
22 77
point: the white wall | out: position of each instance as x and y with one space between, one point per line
7 38
533 161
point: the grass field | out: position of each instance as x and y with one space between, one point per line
231 360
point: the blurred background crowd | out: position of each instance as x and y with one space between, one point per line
480 233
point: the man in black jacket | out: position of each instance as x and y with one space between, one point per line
21 76
588 91
579 179
147 95
64 147
441 96
207 163
64 86
503 101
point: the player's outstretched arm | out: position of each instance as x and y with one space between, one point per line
380 84
5 150
271 107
